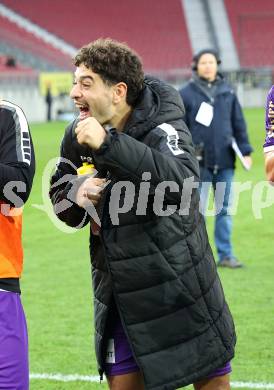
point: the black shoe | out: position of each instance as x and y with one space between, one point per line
229 262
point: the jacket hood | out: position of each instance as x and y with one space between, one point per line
158 103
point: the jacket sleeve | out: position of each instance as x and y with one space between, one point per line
64 185
168 157
239 128
17 160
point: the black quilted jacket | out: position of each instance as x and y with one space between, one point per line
157 263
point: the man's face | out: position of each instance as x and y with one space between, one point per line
92 96
207 67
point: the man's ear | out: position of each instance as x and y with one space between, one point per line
120 92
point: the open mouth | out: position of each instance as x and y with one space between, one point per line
84 112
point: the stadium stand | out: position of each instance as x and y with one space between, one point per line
10 65
19 38
46 35
253 30
155 29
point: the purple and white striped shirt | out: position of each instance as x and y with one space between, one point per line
269 121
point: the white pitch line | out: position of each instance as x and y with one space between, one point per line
66 378
252 385
95 378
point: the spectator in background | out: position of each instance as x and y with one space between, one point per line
11 62
16 175
214 118
269 141
160 314
49 100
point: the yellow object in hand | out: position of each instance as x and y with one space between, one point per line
85 169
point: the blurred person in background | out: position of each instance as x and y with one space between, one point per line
269 140
17 167
161 320
215 118
49 101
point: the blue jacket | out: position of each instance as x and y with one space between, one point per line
227 122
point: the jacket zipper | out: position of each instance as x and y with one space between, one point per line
102 363
211 102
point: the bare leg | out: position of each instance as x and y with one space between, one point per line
132 381
216 383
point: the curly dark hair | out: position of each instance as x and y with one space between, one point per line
115 62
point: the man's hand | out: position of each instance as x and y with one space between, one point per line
90 192
248 161
90 132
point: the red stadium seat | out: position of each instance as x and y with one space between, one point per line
155 29
18 37
14 68
252 24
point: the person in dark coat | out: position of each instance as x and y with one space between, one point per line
214 117
161 319
49 100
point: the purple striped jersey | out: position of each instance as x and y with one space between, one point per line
269 121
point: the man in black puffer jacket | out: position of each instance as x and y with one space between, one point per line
161 320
